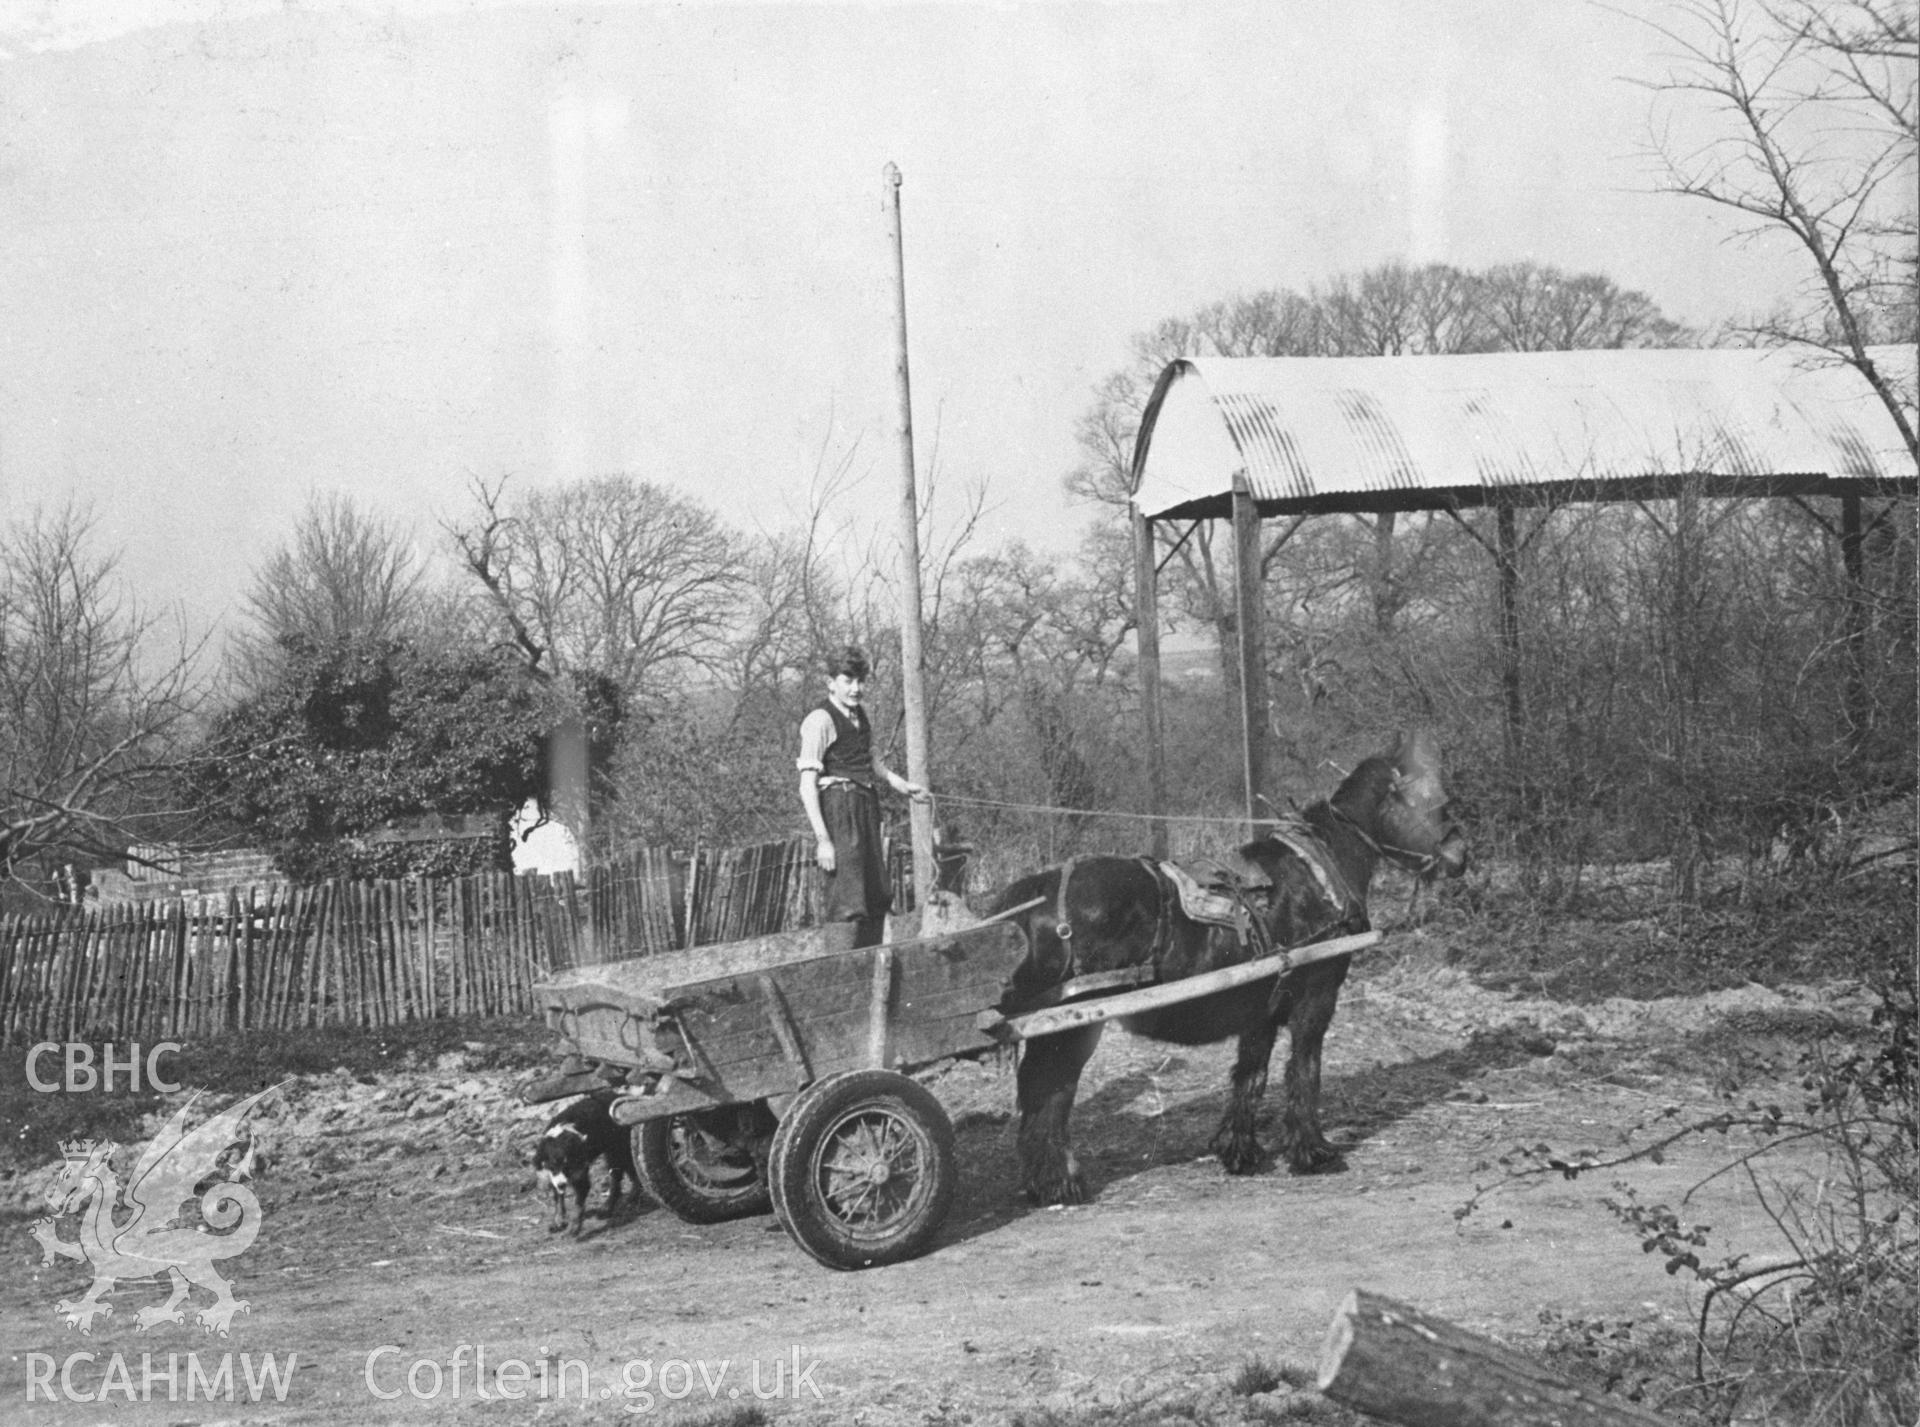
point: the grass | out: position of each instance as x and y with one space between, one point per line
1633 940
1255 1376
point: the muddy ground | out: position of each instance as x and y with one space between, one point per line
397 1216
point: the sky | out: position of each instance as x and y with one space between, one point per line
253 251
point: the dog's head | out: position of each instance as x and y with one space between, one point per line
561 1155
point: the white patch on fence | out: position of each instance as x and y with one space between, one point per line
545 847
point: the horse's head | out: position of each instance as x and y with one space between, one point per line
1399 800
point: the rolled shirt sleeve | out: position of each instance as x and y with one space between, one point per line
816 733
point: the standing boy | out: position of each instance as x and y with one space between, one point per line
839 773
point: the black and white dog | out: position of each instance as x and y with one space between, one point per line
580 1134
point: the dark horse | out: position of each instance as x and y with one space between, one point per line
1122 912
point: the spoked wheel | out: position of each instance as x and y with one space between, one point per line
862 1170
707 1166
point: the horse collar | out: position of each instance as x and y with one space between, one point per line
1301 838
1062 926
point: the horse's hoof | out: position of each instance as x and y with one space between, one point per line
1067 1187
1322 1158
1239 1151
1061 1191
1243 1157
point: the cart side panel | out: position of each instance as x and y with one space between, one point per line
938 988
834 1033
725 1034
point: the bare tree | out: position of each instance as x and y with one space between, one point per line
613 575
94 713
1525 307
1395 310
345 575
1818 142
1269 323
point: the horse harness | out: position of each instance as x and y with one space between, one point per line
1119 976
1405 858
1247 923
1296 834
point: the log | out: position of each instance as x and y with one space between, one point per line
1393 1362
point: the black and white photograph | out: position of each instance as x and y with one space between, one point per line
959 713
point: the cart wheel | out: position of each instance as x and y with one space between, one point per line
862 1169
703 1166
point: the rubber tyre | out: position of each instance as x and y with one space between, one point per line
701 1166
862 1170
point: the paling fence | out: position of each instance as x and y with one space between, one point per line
377 953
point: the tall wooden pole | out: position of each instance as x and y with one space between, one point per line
1146 626
912 651
1253 647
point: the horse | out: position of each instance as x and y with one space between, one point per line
1105 914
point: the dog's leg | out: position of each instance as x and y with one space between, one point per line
1049 1076
580 1186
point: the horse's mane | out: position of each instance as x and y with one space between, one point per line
1367 785
1361 791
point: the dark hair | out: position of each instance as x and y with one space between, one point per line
850 661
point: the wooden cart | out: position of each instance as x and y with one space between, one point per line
774 1073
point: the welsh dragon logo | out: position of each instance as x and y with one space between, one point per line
170 1171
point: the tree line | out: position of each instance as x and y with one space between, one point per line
1698 676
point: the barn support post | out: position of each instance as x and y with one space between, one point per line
1146 624
912 650
1853 560
1507 556
1252 629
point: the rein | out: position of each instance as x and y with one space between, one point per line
1404 858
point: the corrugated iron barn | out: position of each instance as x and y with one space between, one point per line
1244 439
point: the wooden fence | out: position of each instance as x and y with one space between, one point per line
376 953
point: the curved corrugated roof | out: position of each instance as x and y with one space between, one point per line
1339 433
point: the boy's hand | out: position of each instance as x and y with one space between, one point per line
823 853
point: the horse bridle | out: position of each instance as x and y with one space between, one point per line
1405 858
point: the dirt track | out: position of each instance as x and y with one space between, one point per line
397 1216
